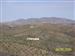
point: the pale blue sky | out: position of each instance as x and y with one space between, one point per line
37 0
15 10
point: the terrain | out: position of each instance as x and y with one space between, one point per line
52 32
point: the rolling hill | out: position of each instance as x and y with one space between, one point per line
52 32
54 20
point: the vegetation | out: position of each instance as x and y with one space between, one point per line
13 40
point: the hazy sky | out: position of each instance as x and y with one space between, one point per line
13 9
37 0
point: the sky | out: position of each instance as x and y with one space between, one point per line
37 0
16 9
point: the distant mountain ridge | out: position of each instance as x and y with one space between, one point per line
53 20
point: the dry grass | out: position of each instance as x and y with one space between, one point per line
13 40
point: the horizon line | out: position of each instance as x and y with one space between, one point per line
35 18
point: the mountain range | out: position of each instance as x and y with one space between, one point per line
53 20
53 33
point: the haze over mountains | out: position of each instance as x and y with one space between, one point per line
54 20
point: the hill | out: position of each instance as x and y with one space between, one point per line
53 20
52 33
